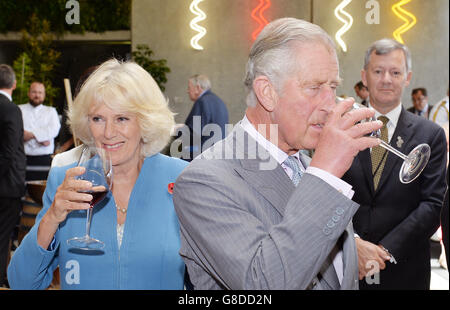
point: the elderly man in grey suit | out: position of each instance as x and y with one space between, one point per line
254 212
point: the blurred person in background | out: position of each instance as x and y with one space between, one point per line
362 92
420 102
41 127
12 165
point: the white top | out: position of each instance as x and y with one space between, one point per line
281 156
6 94
439 112
43 122
120 228
67 157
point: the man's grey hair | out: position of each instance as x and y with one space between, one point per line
201 80
7 77
272 54
385 46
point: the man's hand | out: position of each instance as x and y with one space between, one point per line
27 135
342 138
370 254
45 143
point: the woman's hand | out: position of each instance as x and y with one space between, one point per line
69 196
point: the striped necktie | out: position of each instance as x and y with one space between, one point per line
292 162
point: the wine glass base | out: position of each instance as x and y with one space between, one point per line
86 243
414 164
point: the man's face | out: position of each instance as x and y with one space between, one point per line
306 98
193 91
36 94
419 100
386 78
362 93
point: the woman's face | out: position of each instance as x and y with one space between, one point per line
117 132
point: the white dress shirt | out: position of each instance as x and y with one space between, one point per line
439 112
43 122
6 94
280 157
393 117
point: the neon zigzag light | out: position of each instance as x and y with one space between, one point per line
262 6
396 8
347 23
200 15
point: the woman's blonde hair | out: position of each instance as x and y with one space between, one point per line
124 87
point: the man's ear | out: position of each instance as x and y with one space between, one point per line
408 78
363 78
265 92
14 85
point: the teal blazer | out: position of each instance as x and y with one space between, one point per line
148 257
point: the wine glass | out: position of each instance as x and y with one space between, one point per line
98 171
413 163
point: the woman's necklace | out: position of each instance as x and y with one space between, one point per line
123 210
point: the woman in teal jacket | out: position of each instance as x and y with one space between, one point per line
121 109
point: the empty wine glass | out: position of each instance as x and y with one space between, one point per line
98 171
413 163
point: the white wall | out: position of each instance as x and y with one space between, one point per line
164 26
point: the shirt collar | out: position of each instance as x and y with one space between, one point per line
6 94
33 108
392 115
273 150
203 92
425 108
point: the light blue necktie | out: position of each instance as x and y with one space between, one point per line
292 162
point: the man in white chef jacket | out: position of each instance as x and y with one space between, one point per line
41 126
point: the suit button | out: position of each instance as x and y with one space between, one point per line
326 231
339 211
330 224
335 218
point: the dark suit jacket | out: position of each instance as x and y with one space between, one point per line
402 217
212 110
12 155
413 110
444 223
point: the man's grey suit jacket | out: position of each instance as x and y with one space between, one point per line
244 225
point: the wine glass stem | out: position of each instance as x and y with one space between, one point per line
88 221
391 149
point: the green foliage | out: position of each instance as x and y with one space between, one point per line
156 68
39 60
24 76
95 15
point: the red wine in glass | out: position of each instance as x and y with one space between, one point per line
98 171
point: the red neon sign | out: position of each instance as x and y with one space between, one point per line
257 15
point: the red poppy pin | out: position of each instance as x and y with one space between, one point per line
170 188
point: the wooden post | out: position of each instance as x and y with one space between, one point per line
69 104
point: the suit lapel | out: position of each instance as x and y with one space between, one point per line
261 171
277 193
404 130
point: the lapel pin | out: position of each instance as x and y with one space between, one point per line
399 142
